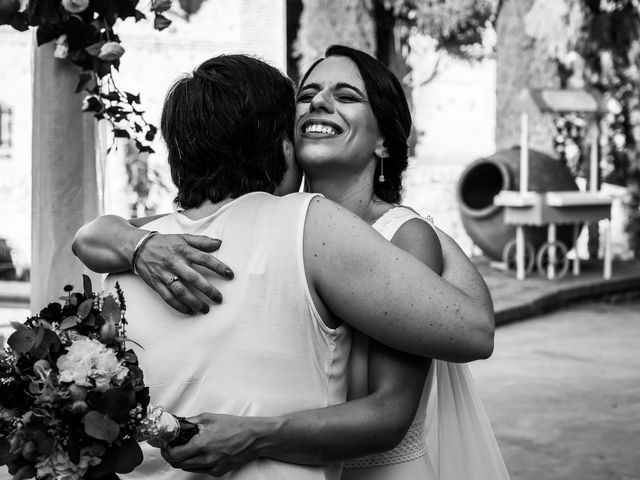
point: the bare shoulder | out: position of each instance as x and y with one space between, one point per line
420 239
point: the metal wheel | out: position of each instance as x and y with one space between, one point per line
509 256
556 253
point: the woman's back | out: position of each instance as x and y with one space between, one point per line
263 352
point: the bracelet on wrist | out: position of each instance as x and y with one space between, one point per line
138 247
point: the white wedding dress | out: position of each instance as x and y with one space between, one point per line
451 437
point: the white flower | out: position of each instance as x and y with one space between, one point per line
87 360
75 6
619 140
613 106
62 47
59 466
111 51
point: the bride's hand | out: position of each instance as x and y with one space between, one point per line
166 256
223 443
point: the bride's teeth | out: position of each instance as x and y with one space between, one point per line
319 128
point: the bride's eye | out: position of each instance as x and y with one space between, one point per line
304 97
348 98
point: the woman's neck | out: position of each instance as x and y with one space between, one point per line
353 193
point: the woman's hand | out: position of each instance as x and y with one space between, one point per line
224 443
165 262
166 257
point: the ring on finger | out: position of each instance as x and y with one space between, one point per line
171 280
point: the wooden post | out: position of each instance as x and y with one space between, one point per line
524 153
594 166
607 249
577 227
64 186
551 239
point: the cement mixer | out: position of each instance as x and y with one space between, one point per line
484 178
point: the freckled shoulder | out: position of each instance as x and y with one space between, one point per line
420 239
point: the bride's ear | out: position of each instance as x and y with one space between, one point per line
380 150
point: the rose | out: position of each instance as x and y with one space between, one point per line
110 51
107 370
88 359
75 6
62 47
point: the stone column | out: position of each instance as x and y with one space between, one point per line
64 187
522 62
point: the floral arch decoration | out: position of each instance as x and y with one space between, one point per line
84 33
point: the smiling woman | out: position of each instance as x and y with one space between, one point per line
370 116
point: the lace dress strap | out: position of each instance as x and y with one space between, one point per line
412 447
389 223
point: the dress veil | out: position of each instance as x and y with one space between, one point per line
459 437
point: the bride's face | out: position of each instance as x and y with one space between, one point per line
335 125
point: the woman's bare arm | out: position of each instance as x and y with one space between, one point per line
387 294
106 245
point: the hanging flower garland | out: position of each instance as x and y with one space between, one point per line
83 31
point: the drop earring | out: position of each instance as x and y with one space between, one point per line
381 177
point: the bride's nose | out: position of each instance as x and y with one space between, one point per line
322 101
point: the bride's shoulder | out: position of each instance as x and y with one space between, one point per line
417 236
407 210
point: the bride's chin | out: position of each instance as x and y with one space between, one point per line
315 155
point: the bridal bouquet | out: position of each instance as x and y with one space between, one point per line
73 403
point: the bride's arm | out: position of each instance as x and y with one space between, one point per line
371 424
107 243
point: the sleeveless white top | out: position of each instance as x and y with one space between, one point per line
264 351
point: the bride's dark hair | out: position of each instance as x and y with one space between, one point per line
224 125
389 106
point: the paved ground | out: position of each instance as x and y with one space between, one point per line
563 393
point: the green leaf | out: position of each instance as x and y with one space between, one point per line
86 82
5 452
90 321
160 6
86 285
84 309
69 322
94 49
18 326
98 425
161 22
119 133
22 340
116 403
111 96
35 388
111 310
128 456
46 341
